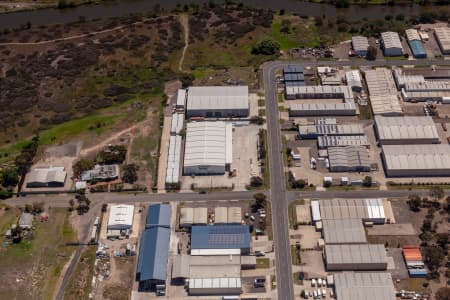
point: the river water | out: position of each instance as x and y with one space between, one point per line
121 8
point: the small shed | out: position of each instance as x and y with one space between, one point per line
303 214
234 215
221 215
186 216
200 215
26 220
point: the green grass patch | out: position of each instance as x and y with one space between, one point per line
295 256
280 98
261 102
262 112
296 280
262 263
200 73
302 33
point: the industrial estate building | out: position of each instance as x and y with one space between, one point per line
382 92
326 141
154 249
217 101
174 159
293 75
121 217
46 177
193 216
391 44
443 38
368 210
416 160
359 257
220 240
227 215
415 43
329 127
101 173
360 45
353 79
364 285
406 130
208 148
343 231
323 108
349 159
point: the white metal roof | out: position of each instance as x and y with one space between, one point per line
234 214
321 91
200 215
353 78
177 123
401 79
186 216
47 175
443 36
315 209
417 157
412 34
364 285
352 209
121 214
173 159
428 86
360 43
391 40
208 143
342 140
181 98
217 97
349 156
406 128
215 283
331 129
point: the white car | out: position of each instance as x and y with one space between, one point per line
313 282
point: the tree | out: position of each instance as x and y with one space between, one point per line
9 177
436 192
443 294
130 173
266 47
434 257
256 181
367 182
81 166
83 203
371 53
414 203
260 201
38 207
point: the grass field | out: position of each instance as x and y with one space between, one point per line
262 263
81 280
31 269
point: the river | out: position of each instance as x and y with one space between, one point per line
121 8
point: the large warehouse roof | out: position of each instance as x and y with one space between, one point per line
46 176
158 215
417 160
349 158
220 237
189 266
366 209
443 37
406 128
217 97
208 143
121 216
382 91
360 43
153 254
344 231
331 129
364 285
342 140
346 255
391 39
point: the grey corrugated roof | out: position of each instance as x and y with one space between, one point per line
360 43
364 285
217 97
158 215
416 157
220 237
356 254
344 231
356 157
153 254
406 128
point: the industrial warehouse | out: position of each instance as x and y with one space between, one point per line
217 101
360 45
415 43
416 160
391 44
349 159
382 92
208 148
364 285
343 231
328 127
323 108
46 177
368 257
443 38
406 130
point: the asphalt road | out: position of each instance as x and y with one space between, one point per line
277 193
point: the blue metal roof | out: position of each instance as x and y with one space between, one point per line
417 48
220 237
158 215
153 254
